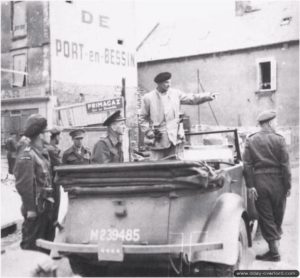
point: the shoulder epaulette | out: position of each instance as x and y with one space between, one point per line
279 134
69 150
102 139
26 155
250 135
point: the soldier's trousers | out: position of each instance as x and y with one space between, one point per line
172 150
35 228
270 204
11 164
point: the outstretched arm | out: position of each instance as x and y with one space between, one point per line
192 99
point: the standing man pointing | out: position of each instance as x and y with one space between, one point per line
159 118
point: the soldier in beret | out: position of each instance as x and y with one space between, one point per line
33 183
77 154
159 118
109 149
268 177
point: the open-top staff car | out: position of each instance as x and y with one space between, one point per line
186 217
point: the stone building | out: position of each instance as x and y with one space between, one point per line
58 53
251 60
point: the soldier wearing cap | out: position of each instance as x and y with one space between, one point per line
54 151
34 184
268 177
109 149
159 117
77 154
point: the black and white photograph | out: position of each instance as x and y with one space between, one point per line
147 138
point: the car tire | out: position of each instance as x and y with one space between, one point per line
209 269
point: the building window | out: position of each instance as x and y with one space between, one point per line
15 113
19 26
19 70
266 74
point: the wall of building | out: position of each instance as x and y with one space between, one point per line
18 101
91 57
57 78
234 76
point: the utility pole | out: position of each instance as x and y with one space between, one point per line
198 91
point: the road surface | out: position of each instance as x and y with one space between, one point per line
289 243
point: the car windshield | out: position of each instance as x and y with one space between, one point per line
212 146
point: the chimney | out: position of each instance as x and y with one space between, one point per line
242 7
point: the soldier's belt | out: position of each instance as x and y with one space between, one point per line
267 171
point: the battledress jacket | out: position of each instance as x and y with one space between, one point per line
266 152
72 157
108 150
32 173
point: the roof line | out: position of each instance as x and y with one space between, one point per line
9 101
217 52
147 36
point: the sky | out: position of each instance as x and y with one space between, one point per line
150 12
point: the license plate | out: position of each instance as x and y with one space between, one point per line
109 250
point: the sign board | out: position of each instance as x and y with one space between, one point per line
93 42
24 92
104 105
84 114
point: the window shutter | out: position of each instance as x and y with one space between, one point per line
273 75
19 63
19 19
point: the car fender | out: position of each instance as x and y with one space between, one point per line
223 225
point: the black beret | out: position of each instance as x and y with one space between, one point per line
265 116
35 125
114 117
77 133
162 77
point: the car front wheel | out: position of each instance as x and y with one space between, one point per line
210 269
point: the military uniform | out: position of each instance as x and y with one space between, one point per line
108 150
267 169
11 148
72 157
54 155
77 154
33 183
55 160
